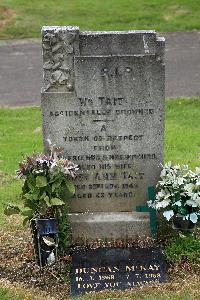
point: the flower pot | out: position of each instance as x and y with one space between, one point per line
183 225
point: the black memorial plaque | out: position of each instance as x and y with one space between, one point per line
99 269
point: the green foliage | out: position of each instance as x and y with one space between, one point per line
64 229
27 17
47 185
41 181
11 210
183 248
46 190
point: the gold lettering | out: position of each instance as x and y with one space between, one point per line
129 269
111 284
85 270
106 277
130 284
93 270
79 279
157 267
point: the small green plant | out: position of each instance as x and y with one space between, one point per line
64 230
183 248
178 193
48 185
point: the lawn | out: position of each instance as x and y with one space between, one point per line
20 134
22 19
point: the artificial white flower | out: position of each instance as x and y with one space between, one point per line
193 217
189 188
180 180
160 195
178 203
53 165
163 173
191 203
168 214
198 200
162 204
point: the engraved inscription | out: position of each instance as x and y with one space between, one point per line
118 269
111 125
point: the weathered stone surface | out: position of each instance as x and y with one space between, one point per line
108 114
87 227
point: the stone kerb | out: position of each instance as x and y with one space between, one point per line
103 102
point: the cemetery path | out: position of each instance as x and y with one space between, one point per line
21 68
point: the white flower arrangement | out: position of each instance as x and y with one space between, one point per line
178 193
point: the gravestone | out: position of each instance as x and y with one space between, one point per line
103 102
95 270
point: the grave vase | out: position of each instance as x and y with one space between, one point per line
45 239
183 225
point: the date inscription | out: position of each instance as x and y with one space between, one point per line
116 269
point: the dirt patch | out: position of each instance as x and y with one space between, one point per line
18 268
6 16
175 11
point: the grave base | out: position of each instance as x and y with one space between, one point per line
109 226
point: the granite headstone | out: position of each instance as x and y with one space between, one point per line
103 102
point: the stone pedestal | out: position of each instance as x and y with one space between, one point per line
87 227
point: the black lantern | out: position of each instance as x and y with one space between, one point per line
45 239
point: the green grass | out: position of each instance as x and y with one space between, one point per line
6 294
145 294
150 294
25 18
20 134
182 143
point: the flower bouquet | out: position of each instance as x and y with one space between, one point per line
178 193
48 184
